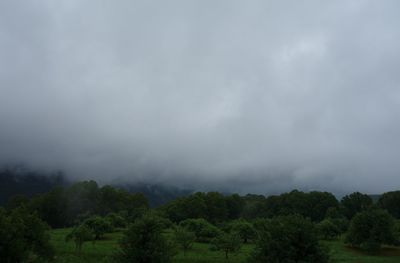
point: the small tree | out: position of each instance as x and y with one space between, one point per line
229 243
116 220
244 229
80 234
144 242
184 238
203 230
99 226
288 239
327 229
370 229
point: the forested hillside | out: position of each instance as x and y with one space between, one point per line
19 180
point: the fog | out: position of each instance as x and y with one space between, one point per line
260 96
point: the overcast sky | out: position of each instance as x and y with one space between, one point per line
260 96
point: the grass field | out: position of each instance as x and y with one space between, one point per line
101 251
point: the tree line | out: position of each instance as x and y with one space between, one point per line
284 228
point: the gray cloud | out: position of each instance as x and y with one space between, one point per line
252 96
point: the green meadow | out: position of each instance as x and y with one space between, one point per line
102 251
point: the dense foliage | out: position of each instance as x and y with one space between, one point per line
80 234
289 239
283 228
370 229
203 230
184 238
354 203
227 242
23 236
63 207
390 201
144 242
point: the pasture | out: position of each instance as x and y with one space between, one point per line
102 251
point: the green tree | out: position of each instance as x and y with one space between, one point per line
144 242
52 207
82 198
80 234
227 242
354 203
390 201
288 239
320 203
114 200
217 210
235 205
17 201
116 220
254 206
244 229
370 229
203 230
184 238
313 205
335 215
23 234
99 226
327 229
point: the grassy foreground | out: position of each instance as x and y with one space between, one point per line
101 251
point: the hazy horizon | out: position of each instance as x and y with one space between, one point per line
255 96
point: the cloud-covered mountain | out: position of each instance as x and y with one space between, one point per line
250 96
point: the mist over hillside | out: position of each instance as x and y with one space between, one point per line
262 96
19 180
